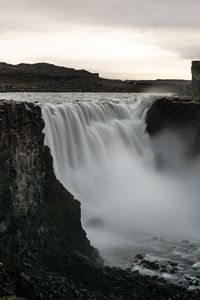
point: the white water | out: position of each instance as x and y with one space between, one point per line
88 135
103 155
94 146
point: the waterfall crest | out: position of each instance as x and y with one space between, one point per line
104 157
79 134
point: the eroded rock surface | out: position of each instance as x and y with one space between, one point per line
44 251
180 116
39 220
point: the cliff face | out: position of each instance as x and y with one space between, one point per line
168 117
39 219
44 252
195 71
195 78
172 113
22 167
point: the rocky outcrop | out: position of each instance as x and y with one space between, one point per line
195 71
39 219
176 115
44 252
30 195
195 78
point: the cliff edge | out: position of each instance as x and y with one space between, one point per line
39 219
178 115
44 252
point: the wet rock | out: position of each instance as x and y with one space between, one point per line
139 257
152 265
163 270
174 114
173 264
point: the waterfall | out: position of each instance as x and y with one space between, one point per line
103 156
82 134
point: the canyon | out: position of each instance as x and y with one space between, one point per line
44 251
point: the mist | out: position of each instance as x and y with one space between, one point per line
131 195
129 185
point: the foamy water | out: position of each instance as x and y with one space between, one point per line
104 157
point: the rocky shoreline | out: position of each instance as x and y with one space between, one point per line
44 251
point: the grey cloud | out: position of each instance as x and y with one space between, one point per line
142 13
184 42
166 19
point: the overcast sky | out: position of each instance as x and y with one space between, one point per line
118 38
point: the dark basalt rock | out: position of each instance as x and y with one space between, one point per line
139 257
181 115
31 198
39 220
151 265
171 113
6 287
44 251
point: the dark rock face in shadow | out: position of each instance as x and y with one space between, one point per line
44 251
178 115
195 78
37 213
39 220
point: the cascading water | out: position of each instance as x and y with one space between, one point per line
94 146
80 134
104 157
129 204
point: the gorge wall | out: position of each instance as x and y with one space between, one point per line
44 252
176 114
39 218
